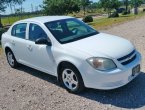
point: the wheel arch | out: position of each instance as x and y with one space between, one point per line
7 46
61 64
7 49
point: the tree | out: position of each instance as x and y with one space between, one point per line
2 9
71 6
3 4
84 4
19 2
126 2
136 4
11 3
93 6
109 5
60 7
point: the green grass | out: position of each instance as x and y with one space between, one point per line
99 23
11 20
104 23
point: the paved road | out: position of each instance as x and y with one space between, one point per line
27 89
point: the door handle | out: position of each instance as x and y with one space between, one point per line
29 47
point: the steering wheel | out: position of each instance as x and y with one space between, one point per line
75 30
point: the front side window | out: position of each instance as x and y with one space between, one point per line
36 32
69 30
19 30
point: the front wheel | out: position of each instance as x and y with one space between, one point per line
11 59
71 79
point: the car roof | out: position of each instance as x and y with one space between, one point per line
44 19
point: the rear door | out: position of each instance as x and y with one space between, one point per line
18 41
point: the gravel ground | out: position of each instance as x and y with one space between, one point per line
27 89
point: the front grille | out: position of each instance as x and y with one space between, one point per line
128 58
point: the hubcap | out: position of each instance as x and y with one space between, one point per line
70 79
10 58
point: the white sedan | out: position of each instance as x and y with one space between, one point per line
75 53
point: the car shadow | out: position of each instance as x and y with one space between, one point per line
39 74
131 96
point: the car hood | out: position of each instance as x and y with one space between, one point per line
102 45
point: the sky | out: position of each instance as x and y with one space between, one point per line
28 4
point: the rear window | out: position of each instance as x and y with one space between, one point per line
19 30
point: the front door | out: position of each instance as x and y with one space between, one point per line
40 56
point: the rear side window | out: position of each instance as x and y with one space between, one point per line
36 32
19 30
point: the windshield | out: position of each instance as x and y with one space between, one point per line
69 30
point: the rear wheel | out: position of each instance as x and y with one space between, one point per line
11 59
71 79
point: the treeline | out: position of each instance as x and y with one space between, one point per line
64 7
109 5
9 3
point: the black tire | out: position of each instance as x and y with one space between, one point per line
15 63
80 86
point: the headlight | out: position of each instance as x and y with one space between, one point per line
102 64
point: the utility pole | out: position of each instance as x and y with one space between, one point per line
14 9
31 7
11 8
21 9
36 8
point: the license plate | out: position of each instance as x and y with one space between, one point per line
135 70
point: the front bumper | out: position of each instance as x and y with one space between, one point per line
106 80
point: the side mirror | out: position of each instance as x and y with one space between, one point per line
43 41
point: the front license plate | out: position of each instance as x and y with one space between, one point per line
135 70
